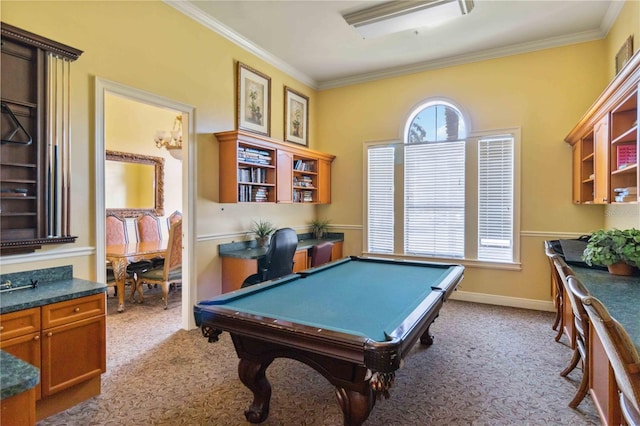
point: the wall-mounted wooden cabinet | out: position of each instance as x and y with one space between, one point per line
256 168
34 148
606 143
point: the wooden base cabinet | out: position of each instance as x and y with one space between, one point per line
67 342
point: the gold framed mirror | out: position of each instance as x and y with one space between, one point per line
134 184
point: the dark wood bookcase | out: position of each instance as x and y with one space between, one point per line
27 173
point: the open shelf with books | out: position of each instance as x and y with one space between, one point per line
256 168
305 180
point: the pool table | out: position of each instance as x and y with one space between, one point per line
352 320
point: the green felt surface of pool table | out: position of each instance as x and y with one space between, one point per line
365 298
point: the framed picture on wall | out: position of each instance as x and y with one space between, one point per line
253 100
624 54
296 117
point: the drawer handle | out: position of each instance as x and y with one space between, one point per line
36 337
1 327
76 310
49 334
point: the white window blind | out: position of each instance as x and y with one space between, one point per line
380 196
434 205
495 198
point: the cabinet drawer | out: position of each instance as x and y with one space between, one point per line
72 310
19 323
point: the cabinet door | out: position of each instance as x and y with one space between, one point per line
284 185
300 261
601 161
235 271
27 348
336 251
324 182
73 353
577 176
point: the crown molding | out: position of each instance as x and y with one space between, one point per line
213 24
186 8
484 55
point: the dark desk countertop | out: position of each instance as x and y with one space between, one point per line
248 249
621 296
16 376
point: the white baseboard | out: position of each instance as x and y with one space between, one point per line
514 302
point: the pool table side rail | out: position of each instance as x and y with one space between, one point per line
340 345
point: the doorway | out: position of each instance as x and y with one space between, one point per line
110 95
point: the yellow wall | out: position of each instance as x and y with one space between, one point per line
130 127
627 24
544 93
150 46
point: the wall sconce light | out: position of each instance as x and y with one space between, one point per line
171 140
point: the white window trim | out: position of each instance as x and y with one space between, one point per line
470 258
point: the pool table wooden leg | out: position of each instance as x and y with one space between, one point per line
252 374
427 337
356 406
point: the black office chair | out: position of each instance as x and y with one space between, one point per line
278 261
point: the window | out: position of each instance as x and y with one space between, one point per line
442 193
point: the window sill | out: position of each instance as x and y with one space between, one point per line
467 263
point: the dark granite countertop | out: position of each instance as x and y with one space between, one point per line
249 250
16 376
47 293
621 296
54 285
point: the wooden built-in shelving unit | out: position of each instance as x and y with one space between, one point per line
255 169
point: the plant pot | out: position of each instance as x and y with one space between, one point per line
318 235
263 241
620 268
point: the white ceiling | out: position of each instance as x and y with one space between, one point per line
311 41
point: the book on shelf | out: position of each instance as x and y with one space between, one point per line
626 155
304 166
251 193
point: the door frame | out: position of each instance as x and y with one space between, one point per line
189 190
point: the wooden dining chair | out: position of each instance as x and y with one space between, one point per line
116 230
556 282
171 272
115 234
581 326
148 228
621 352
173 217
321 253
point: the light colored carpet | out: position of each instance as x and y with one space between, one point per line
489 365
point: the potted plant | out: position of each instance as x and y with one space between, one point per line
262 230
319 228
618 250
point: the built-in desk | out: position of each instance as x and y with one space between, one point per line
241 259
621 296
